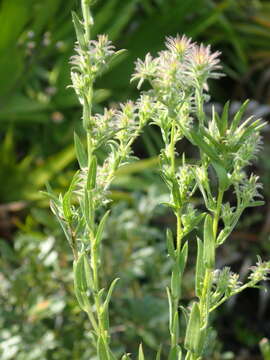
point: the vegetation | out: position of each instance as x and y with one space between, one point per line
44 322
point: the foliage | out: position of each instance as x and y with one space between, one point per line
179 83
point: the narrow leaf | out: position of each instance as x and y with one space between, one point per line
92 174
209 243
192 338
83 277
170 243
200 270
141 354
222 175
100 228
238 116
79 29
80 152
224 119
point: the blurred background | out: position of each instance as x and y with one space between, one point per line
39 317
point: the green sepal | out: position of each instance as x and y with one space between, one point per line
83 276
170 243
209 246
141 354
200 268
222 175
79 29
100 229
102 350
80 152
92 174
192 339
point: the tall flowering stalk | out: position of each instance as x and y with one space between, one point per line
179 83
77 210
178 77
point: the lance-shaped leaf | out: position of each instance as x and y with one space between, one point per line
100 229
170 243
200 268
176 194
92 174
83 276
105 306
80 151
209 246
170 302
177 272
79 29
224 119
192 339
141 354
197 139
223 179
238 116
67 198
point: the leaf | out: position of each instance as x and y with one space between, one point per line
222 175
83 276
238 116
224 119
197 139
100 228
92 174
200 269
80 152
176 194
209 247
141 354
192 338
170 243
79 29
170 308
104 311
177 272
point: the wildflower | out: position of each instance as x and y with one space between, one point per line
145 70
